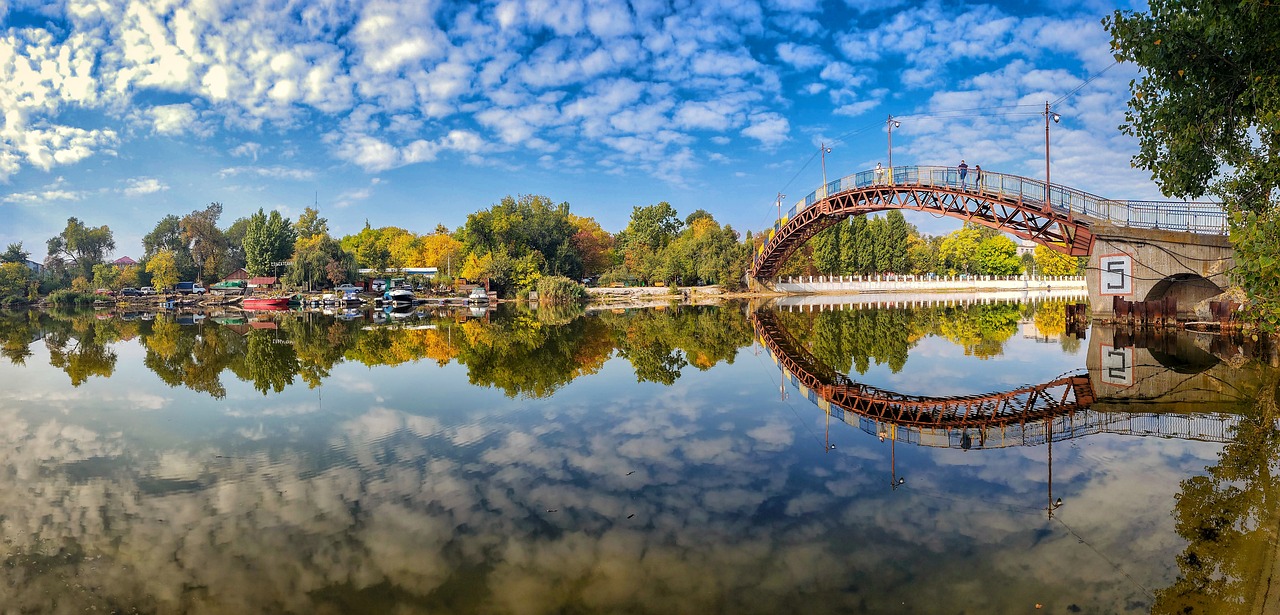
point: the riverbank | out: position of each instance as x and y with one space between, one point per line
882 289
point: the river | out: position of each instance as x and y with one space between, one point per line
741 458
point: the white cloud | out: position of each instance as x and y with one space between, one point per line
173 119
802 57
770 129
144 185
271 172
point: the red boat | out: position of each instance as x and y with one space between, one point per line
265 303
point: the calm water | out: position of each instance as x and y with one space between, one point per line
651 461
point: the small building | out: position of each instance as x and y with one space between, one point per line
35 267
264 282
1026 246
238 274
124 261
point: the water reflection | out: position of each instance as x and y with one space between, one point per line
543 461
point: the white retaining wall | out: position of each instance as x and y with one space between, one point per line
882 284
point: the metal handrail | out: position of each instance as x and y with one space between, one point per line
1204 218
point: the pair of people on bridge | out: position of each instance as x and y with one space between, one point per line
964 172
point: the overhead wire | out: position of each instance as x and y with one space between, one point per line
1013 111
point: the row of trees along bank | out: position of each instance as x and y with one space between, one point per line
514 244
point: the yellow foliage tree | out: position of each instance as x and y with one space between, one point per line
129 276
163 268
404 248
13 279
476 268
1052 262
439 250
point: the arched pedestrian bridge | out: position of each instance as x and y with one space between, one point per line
1062 409
1142 250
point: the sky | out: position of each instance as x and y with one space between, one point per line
420 112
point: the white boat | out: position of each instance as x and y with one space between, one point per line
398 295
478 295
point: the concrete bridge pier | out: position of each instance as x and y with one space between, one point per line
1151 264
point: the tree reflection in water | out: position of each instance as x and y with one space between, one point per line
626 506
1230 518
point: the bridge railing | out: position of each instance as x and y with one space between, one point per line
1204 218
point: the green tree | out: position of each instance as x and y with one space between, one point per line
106 276
235 245
827 250
268 239
896 233
1206 112
82 245
15 254
310 224
205 241
959 249
167 235
997 256
520 227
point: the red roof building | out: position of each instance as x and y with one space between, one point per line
124 261
263 281
238 274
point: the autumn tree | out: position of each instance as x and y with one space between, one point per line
440 250
13 279
1052 262
595 245
163 269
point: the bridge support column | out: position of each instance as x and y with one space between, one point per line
1151 264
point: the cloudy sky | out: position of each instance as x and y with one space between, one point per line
419 112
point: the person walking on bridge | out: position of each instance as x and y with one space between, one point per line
977 176
964 170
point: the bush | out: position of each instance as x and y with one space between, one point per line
71 297
559 289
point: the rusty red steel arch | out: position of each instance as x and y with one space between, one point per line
1000 201
1022 405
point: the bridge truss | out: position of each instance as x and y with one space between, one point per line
1053 216
1026 416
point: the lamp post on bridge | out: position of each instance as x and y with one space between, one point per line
891 123
1049 114
822 147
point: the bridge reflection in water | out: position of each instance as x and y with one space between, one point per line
1070 406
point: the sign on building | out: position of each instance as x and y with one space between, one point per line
1115 274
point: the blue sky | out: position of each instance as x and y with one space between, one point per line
415 113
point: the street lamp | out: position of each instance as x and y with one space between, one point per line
892 123
825 150
1048 114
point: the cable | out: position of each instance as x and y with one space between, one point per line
1086 82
